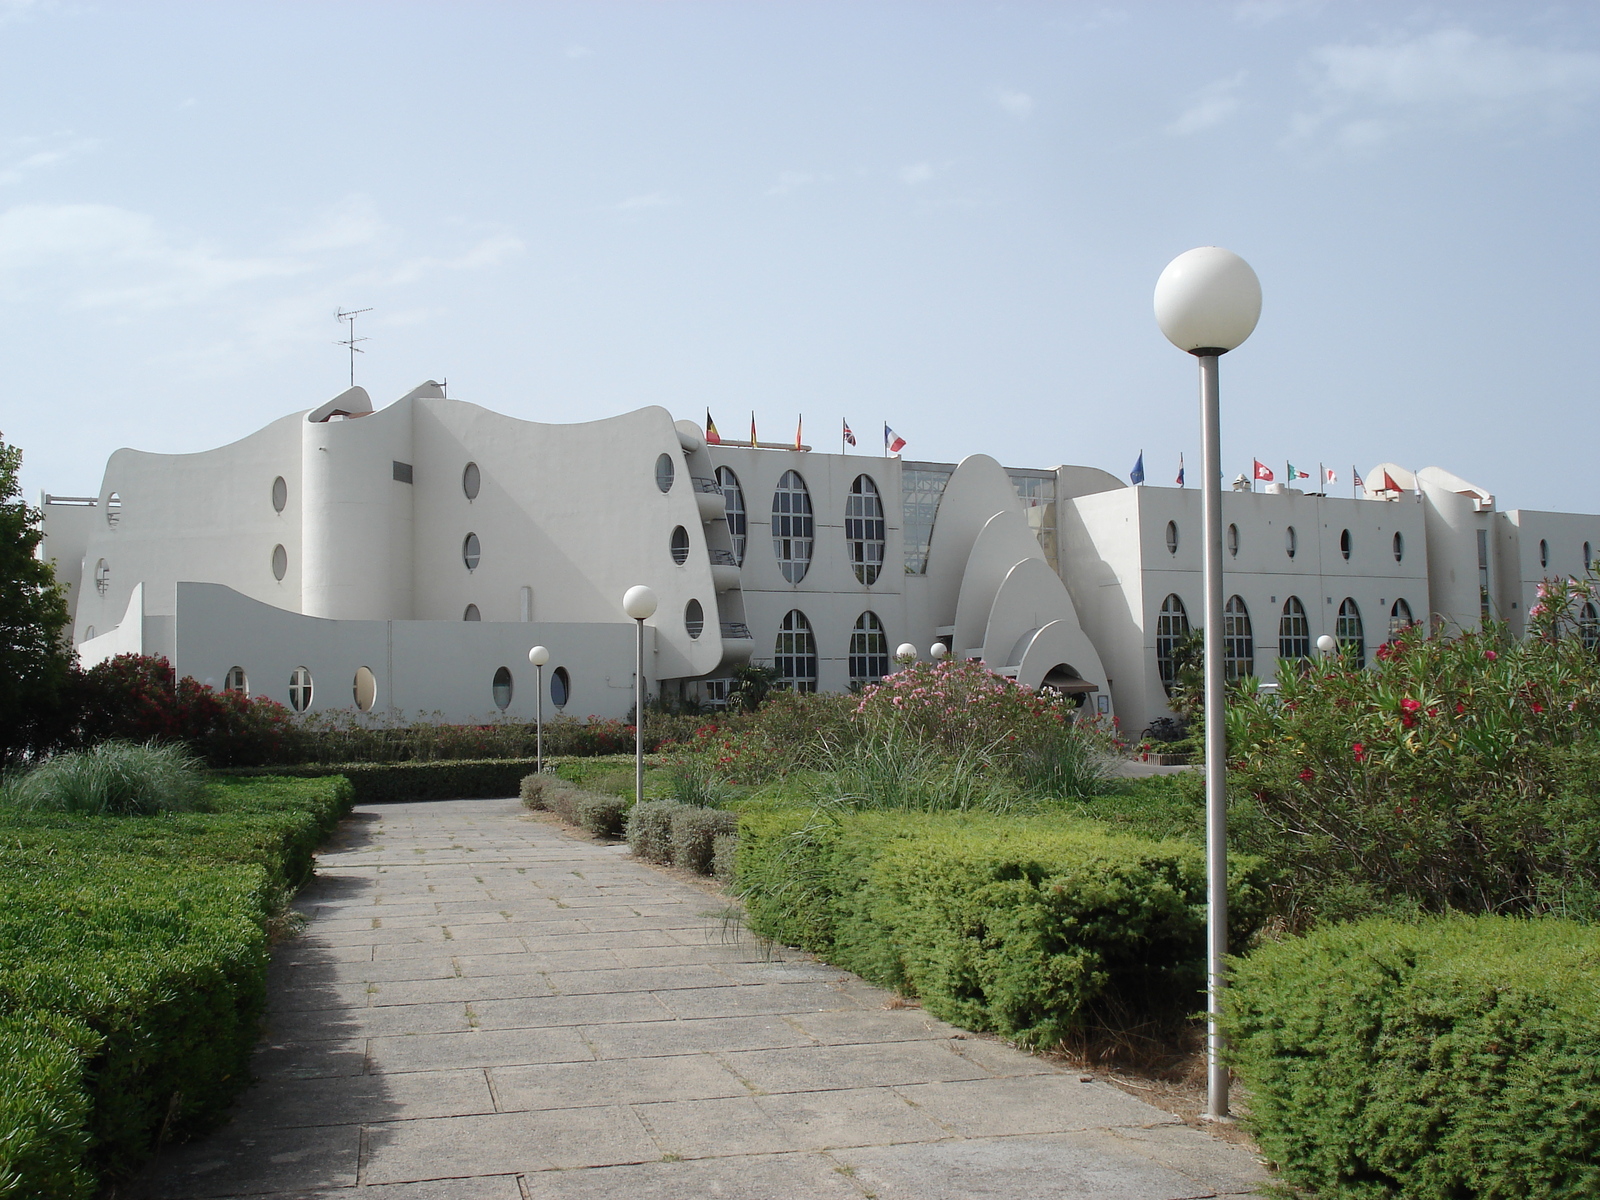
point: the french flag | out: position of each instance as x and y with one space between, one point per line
893 443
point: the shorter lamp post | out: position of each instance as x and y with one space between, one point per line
639 602
538 656
905 654
1327 644
939 652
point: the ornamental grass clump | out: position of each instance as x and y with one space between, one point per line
1455 773
112 779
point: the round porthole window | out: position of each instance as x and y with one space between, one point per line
665 472
471 551
502 688
1233 540
560 687
1291 542
280 494
694 619
280 563
300 689
472 613
471 480
365 689
680 545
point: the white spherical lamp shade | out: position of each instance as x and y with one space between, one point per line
639 602
1208 300
939 652
906 651
1326 644
539 655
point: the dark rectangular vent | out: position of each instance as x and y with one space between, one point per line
402 472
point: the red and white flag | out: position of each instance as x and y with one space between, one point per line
1389 485
893 443
1263 471
1332 475
848 436
1357 475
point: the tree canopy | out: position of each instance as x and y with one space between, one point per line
35 662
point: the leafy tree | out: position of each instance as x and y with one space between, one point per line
750 685
35 662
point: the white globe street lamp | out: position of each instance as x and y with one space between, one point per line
1208 301
639 602
905 654
939 652
538 656
1327 644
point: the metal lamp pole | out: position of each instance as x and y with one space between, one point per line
538 656
638 602
1207 302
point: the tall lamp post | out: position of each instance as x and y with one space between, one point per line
1208 301
538 656
639 602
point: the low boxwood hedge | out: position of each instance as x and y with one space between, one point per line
388 783
133 953
1021 926
1449 1058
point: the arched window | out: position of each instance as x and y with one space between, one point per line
796 653
864 528
1294 631
300 689
471 480
1233 541
471 613
235 681
500 688
471 551
1291 541
1238 642
1352 639
680 545
1544 553
102 576
665 472
114 508
1172 626
560 687
1172 537
1400 618
869 650
1399 546
694 619
733 498
1589 626
1344 542
792 526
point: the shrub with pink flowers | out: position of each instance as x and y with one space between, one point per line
1457 772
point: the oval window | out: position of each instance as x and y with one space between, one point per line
1172 537
1291 542
560 687
665 472
300 689
680 545
864 528
471 480
1588 556
793 526
471 552
280 563
1399 547
472 613
365 689
1233 540
236 681
113 508
1344 542
694 619
1544 553
280 494
502 688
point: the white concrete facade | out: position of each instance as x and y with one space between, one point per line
429 544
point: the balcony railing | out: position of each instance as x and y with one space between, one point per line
723 558
710 486
737 631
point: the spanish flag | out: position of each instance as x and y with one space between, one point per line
712 436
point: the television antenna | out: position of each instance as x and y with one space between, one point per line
352 339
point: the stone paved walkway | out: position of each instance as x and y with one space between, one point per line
483 1007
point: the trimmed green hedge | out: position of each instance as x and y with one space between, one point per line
1021 926
133 954
389 783
1455 1057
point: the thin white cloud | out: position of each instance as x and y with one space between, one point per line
1450 78
917 174
648 200
576 51
1018 104
489 252
16 10
28 159
792 181
354 221
1210 106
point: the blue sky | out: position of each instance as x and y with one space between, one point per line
947 216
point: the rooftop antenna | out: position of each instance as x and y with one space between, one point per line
352 339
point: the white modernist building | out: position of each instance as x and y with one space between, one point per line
400 563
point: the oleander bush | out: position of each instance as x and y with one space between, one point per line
115 778
1025 926
1447 1058
133 952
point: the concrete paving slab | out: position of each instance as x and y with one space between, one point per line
745 1177
503 1142
532 1012
1030 1104
818 1120
656 1038
240 1162
480 1048
824 1068
615 1081
715 1127
360 1099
